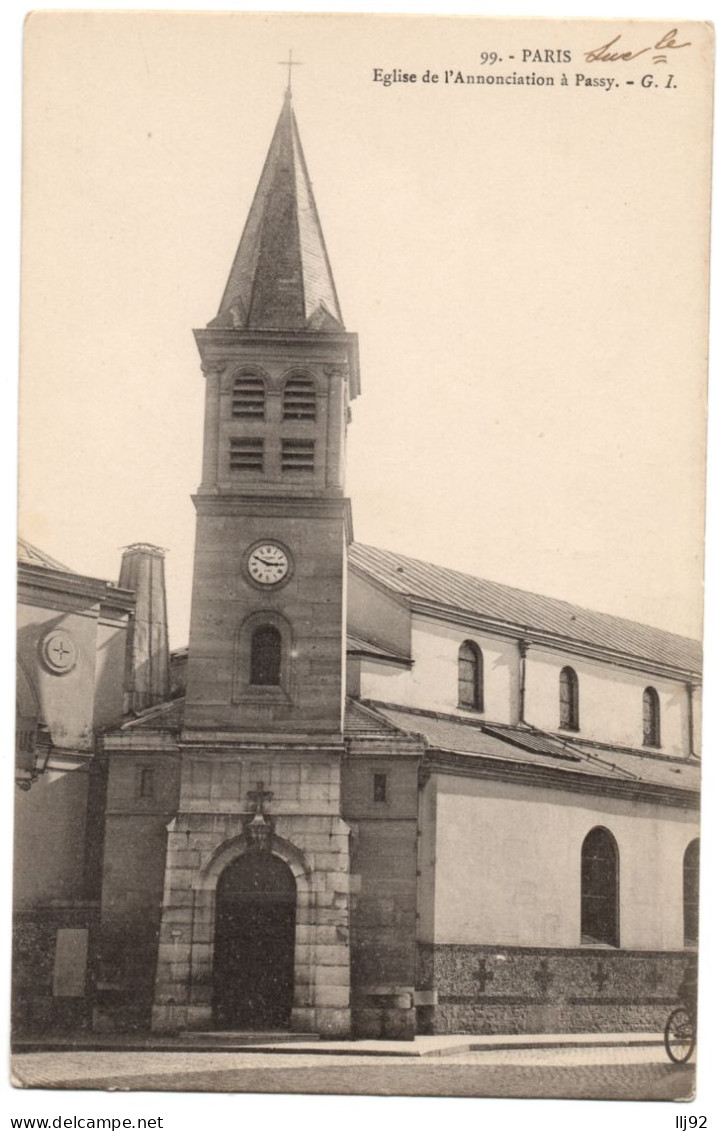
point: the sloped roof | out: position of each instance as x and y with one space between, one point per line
520 609
31 555
359 719
528 747
358 646
163 716
281 277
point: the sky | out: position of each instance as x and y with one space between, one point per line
525 268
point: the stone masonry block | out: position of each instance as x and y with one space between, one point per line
303 1020
181 878
332 916
179 917
328 935
333 1022
331 956
328 861
166 991
168 1018
399 1024
325 901
367 1023
334 976
303 954
316 843
307 825
335 996
317 772
340 882
180 899
303 995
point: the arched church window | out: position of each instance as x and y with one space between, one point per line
569 700
599 907
470 676
690 892
265 657
650 717
299 399
248 397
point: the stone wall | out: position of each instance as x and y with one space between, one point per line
315 845
383 867
138 809
39 1004
490 989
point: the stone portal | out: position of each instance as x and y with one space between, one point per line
255 929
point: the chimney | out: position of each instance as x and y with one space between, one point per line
147 667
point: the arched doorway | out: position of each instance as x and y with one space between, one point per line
254 944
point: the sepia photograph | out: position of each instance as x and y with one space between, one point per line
362 455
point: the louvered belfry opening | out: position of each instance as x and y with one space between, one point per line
297 455
299 399
246 454
248 398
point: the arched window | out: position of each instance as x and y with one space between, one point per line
690 892
299 399
650 717
470 676
265 659
599 889
248 397
569 707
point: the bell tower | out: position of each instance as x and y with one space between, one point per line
255 909
266 645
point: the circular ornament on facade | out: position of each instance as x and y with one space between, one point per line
60 652
268 564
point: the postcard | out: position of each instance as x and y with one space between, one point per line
362 461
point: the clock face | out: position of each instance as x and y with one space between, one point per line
268 564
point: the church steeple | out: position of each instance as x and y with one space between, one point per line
267 635
281 277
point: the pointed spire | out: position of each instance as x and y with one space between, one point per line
281 278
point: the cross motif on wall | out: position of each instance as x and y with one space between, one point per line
60 651
259 797
600 976
483 976
543 976
654 978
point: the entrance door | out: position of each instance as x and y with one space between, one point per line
254 944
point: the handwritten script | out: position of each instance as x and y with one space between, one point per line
609 53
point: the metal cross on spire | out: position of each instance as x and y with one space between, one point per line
290 62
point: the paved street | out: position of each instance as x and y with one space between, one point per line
591 1073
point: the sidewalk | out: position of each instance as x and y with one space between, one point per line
287 1043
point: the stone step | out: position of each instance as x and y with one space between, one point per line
241 1039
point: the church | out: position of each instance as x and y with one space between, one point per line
372 797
